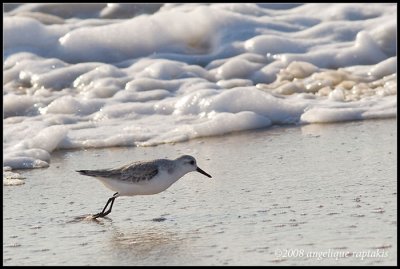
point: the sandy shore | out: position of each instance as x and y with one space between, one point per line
310 195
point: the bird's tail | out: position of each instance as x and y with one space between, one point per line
85 172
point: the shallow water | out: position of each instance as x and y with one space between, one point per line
294 191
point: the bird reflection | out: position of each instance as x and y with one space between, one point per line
147 241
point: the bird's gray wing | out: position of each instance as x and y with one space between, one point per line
134 172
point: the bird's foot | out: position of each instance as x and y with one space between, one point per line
101 214
98 215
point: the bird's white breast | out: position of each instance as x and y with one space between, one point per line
159 183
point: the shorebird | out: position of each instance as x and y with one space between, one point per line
142 178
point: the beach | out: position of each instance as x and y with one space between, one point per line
290 107
316 194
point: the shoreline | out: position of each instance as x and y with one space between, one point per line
310 189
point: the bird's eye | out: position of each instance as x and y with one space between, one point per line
192 162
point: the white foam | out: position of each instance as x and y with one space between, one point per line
105 75
12 179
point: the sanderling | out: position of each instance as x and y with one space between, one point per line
142 178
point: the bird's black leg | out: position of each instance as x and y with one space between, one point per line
102 213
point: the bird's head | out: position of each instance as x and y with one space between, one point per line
190 164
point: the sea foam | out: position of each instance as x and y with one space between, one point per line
140 74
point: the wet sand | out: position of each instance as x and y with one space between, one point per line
307 195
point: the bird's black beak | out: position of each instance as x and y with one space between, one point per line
202 172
